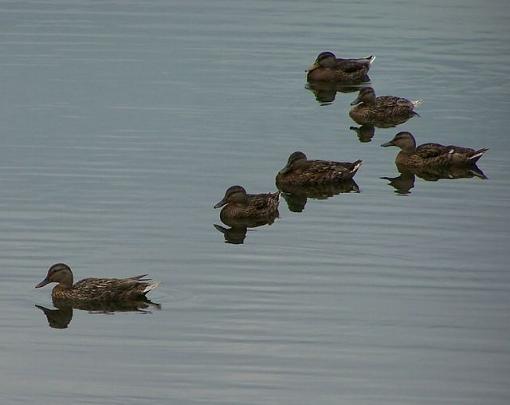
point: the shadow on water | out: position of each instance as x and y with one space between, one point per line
405 182
239 228
325 92
297 196
366 130
60 317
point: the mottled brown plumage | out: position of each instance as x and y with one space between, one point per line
328 68
94 289
382 111
242 208
299 171
430 155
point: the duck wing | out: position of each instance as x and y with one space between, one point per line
263 201
354 64
106 289
329 170
431 150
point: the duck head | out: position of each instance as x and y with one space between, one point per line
234 194
403 140
365 95
325 60
294 159
58 273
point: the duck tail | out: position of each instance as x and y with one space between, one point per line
477 155
475 171
417 103
371 59
150 287
356 166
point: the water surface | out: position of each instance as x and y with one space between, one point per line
124 122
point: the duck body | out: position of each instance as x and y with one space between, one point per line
99 290
299 171
381 111
328 68
431 155
242 208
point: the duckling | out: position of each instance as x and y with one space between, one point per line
240 207
95 289
383 110
431 154
299 171
328 68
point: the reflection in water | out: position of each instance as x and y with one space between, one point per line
234 235
325 92
405 182
297 196
60 317
365 132
238 228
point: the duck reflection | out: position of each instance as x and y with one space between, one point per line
297 196
236 233
325 92
60 317
365 132
405 182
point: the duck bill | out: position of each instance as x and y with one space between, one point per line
357 101
43 283
221 203
390 143
313 66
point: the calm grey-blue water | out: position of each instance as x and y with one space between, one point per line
124 122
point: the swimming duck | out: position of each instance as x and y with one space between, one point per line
431 154
95 289
328 68
240 207
381 111
299 171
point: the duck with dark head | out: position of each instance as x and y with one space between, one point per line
300 171
382 111
95 289
328 68
431 155
241 208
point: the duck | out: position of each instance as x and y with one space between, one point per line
95 289
383 111
299 171
328 68
240 207
431 155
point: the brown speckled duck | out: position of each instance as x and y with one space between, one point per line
240 207
431 154
299 171
95 289
383 110
328 68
